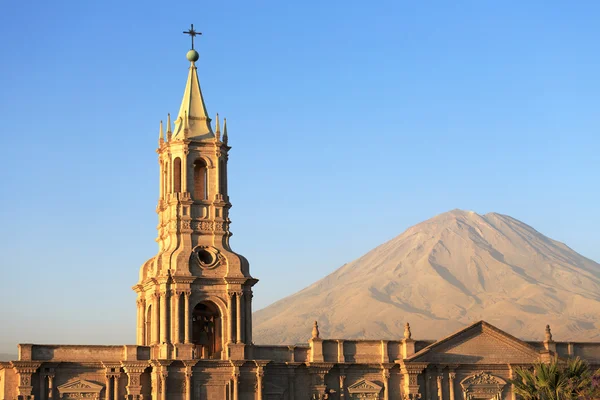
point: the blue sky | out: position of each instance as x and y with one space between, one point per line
350 121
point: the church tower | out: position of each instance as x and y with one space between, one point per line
194 298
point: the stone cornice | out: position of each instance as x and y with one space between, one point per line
134 366
25 367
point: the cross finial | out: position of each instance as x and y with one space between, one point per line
192 33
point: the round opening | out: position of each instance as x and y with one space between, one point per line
205 257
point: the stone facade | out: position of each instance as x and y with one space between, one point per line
194 317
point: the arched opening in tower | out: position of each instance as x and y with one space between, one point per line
206 330
200 180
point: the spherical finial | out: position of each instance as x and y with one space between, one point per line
192 55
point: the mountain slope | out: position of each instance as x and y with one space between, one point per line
441 275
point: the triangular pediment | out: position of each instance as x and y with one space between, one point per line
480 343
364 386
80 386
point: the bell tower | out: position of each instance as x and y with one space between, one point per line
194 297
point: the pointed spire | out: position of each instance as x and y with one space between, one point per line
169 131
193 106
217 128
225 137
161 134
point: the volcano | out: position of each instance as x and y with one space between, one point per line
444 274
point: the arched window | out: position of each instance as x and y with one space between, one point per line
177 175
200 180
206 330
148 327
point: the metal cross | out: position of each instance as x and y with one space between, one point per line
193 34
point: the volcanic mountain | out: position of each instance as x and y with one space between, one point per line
441 275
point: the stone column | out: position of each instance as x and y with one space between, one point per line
133 371
142 335
230 317
340 350
238 308
176 322
116 387
342 379
164 332
187 316
385 374
50 386
427 385
155 318
42 386
163 385
440 382
410 381
291 381
188 383
236 376
248 315
511 375
24 370
107 391
451 377
260 373
184 168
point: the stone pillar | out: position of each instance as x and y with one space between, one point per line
24 370
342 389
260 373
440 382
386 377
143 328
184 168
176 322
385 358
116 387
248 316
133 371
187 316
188 383
238 308
163 384
291 382
511 375
236 377
230 317
340 351
50 386
42 386
427 385
410 372
164 332
107 391
155 318
451 377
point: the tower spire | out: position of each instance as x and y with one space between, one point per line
217 128
193 102
225 137
161 135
